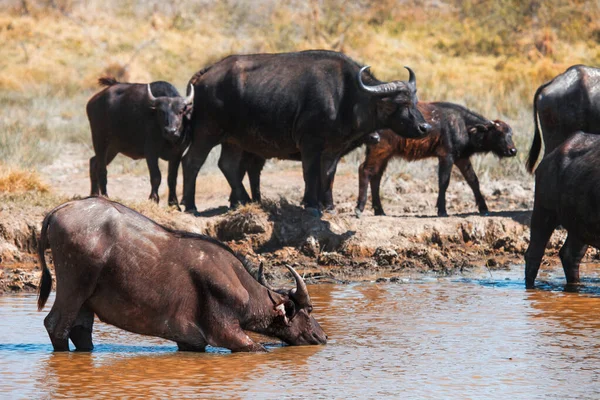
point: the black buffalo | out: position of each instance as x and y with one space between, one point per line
570 102
140 121
567 194
314 104
113 262
457 134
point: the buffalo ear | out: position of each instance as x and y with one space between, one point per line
287 310
479 128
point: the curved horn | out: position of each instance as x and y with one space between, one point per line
382 89
412 79
300 293
261 277
190 98
150 95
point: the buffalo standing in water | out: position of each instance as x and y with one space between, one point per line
570 102
567 194
315 104
141 121
144 278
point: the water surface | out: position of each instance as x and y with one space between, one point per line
431 338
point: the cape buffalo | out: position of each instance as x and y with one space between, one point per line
568 103
566 193
314 104
141 121
457 133
144 278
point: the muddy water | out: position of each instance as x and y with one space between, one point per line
446 338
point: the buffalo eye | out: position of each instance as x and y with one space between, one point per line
310 309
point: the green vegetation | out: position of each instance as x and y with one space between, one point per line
487 55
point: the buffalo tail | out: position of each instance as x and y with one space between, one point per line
46 280
536 145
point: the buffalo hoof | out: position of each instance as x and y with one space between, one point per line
358 212
484 213
529 284
191 210
314 212
380 213
175 205
330 211
442 214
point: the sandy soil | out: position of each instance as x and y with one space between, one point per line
410 240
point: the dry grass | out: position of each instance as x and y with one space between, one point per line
489 56
19 181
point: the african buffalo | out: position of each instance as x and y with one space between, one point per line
141 121
457 133
144 278
566 193
568 103
314 104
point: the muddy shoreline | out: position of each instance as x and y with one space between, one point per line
335 249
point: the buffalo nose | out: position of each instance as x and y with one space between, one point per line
424 128
513 151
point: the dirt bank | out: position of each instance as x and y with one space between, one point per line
410 241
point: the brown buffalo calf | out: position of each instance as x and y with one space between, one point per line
457 133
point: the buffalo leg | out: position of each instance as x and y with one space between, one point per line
371 171
543 223
155 177
192 162
311 171
375 188
62 317
466 168
95 189
445 169
571 254
234 339
230 163
254 166
172 180
328 168
102 161
81 333
181 346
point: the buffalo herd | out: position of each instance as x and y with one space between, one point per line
310 106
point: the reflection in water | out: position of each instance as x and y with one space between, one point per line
438 339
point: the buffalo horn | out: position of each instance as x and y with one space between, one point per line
300 293
150 95
412 79
261 276
383 88
190 98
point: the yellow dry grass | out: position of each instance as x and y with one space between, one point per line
18 181
489 56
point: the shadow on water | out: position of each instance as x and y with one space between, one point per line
114 348
170 374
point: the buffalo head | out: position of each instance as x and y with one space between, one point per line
292 320
494 136
397 105
170 112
